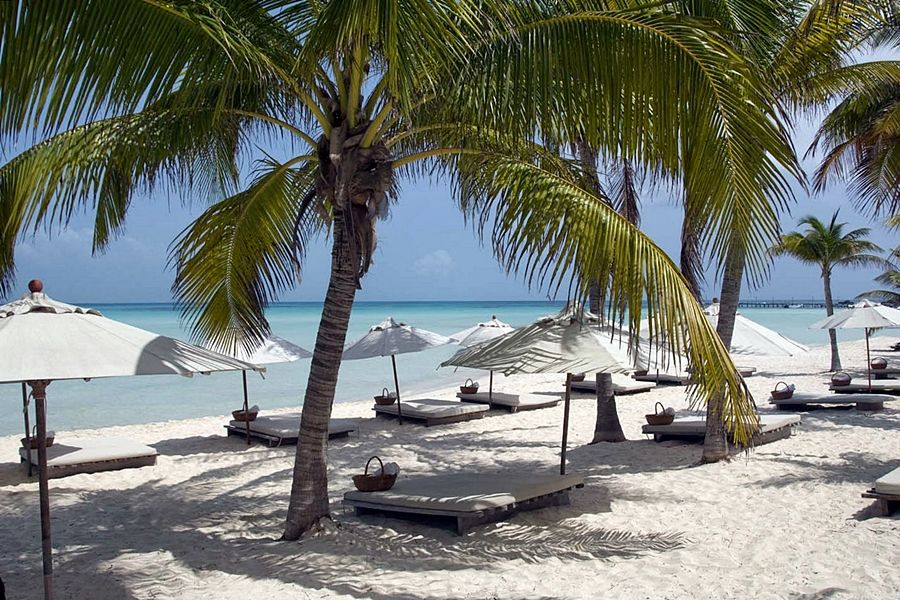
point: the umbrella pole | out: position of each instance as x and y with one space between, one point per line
491 390
246 407
397 389
565 431
39 389
868 361
27 426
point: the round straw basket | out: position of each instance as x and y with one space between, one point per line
385 399
578 376
374 483
878 363
244 416
840 378
468 387
783 392
659 417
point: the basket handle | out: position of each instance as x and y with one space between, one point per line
385 393
658 408
786 386
366 472
468 383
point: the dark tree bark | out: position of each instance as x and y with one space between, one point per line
829 310
691 259
607 427
715 444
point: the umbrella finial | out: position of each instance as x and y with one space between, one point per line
35 286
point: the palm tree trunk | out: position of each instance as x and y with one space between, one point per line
829 310
607 428
309 490
715 444
691 259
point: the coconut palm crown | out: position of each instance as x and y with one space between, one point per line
337 103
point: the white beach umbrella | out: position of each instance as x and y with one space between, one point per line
479 334
866 315
750 337
568 342
273 350
390 338
42 340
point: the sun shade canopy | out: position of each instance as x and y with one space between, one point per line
389 338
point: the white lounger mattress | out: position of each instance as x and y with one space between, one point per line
697 425
287 425
889 484
430 408
813 398
621 385
91 450
467 492
523 400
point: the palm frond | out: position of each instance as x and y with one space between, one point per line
244 250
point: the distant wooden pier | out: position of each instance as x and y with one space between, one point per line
784 304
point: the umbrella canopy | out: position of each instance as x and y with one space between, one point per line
390 338
42 340
866 315
568 342
482 332
272 350
750 337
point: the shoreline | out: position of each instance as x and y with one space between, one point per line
784 520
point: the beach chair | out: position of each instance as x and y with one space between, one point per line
622 385
92 456
467 499
283 429
663 378
430 412
805 401
511 402
771 428
886 492
888 386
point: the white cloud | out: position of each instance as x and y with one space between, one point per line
434 263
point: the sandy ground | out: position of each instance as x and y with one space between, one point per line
787 521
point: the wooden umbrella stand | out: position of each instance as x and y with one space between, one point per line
397 389
39 392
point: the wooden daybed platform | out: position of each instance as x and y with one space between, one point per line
884 386
92 456
469 499
805 400
771 428
430 412
663 378
511 402
886 492
282 430
622 386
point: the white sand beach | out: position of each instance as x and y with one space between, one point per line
785 521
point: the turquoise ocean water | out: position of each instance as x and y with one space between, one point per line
126 401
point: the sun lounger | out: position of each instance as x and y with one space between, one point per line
802 400
282 430
511 402
429 411
92 456
881 374
887 492
469 498
771 428
622 386
663 378
890 386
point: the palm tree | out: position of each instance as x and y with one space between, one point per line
828 246
891 275
139 96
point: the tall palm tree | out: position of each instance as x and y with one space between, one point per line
141 96
891 275
827 246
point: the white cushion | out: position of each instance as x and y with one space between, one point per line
813 398
287 425
429 408
504 399
621 384
697 425
91 450
467 492
889 484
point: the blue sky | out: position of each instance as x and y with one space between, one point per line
426 252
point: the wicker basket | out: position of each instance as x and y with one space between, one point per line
468 387
244 416
33 442
578 376
640 372
374 483
840 378
385 399
878 363
659 417
782 393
